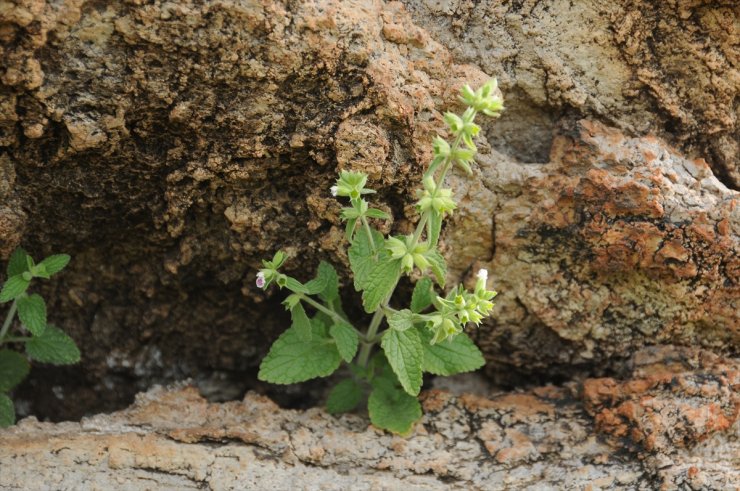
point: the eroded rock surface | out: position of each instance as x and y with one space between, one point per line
169 146
541 439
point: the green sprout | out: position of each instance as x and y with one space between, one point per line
43 342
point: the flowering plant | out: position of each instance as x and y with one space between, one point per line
428 336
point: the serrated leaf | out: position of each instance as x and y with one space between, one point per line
326 283
32 313
423 295
301 323
404 353
458 355
13 369
7 411
393 409
380 283
17 263
361 257
291 301
438 265
347 340
435 227
53 346
13 288
294 285
292 359
401 320
344 397
56 263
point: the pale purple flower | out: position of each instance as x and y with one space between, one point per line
483 274
260 280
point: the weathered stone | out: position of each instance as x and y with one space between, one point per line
542 439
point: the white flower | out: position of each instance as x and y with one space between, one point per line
333 190
483 274
260 280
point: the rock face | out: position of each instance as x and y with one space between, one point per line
169 146
673 424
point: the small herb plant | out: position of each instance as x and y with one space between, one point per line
43 342
427 336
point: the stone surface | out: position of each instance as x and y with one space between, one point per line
541 439
169 146
666 67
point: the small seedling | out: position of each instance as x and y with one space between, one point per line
43 342
428 335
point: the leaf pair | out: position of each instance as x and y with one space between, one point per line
410 354
294 358
22 269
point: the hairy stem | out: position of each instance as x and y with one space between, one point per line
8 320
372 330
438 184
369 233
330 312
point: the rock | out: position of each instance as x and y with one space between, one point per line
170 146
617 242
645 67
544 438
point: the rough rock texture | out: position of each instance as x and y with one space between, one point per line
673 424
670 67
169 146
616 243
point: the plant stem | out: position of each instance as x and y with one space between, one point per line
331 313
369 234
372 330
8 319
15 339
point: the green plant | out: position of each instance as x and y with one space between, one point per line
425 337
43 342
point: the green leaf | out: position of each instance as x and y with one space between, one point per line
294 285
438 265
344 397
361 257
405 353
13 288
56 263
392 409
423 295
291 301
301 323
401 320
435 227
32 313
17 263
376 213
346 339
380 283
13 369
7 411
458 355
53 346
326 283
292 359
